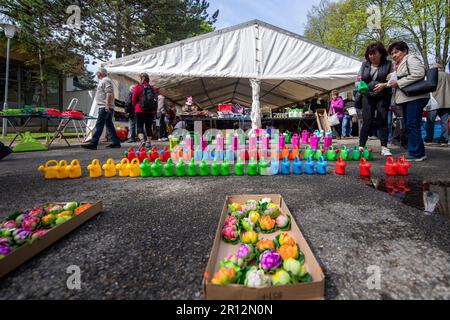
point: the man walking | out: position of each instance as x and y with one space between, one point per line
104 99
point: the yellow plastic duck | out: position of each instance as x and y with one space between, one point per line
110 168
62 172
51 172
94 168
134 168
124 171
74 169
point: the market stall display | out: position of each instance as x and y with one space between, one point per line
259 253
25 233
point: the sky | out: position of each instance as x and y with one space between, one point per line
286 14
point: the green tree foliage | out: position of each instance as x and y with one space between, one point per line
129 26
44 38
124 27
424 24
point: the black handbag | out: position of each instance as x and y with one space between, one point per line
426 85
358 99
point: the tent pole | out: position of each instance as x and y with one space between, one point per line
256 104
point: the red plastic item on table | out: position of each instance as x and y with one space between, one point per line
53 112
391 167
403 166
364 167
340 166
225 107
73 114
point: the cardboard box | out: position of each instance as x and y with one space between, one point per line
221 249
322 120
28 250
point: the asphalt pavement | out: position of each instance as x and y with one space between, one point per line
154 237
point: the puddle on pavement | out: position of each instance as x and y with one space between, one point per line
430 197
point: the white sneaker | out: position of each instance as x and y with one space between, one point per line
385 152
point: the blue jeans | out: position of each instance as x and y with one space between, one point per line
347 125
390 120
132 127
105 118
412 112
429 126
162 126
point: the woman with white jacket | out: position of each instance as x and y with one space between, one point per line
409 70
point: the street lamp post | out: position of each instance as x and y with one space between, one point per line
10 30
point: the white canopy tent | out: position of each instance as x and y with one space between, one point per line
251 64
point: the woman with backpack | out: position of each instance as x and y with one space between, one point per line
145 101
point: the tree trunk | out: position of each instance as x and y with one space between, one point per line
445 54
43 99
119 32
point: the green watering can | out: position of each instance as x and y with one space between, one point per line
192 168
204 168
181 168
308 153
318 154
215 168
169 168
145 168
157 168
331 154
346 156
367 153
252 169
225 168
287 137
239 168
263 166
356 154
